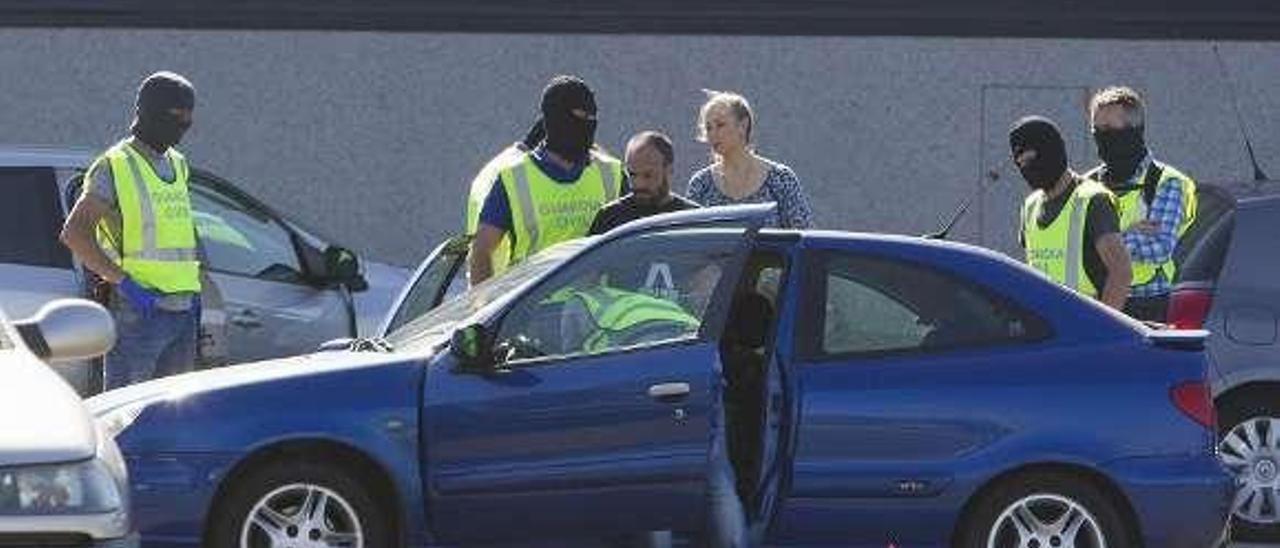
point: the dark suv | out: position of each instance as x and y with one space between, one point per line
1229 283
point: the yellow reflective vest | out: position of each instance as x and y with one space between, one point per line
1058 249
156 245
545 212
480 187
622 318
1132 208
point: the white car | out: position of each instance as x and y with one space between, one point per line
62 479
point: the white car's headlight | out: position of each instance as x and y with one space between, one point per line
84 487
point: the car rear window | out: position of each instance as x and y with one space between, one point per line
30 218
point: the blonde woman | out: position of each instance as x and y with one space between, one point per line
737 175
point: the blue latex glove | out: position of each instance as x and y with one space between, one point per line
142 300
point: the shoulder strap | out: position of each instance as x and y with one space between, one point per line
1151 181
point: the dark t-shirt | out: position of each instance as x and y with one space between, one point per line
627 209
1101 219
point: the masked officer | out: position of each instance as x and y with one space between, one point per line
1156 202
1069 223
550 194
133 227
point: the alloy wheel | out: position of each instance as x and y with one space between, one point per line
1046 521
1251 451
301 515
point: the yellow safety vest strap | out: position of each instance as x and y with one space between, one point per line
611 185
524 193
1075 233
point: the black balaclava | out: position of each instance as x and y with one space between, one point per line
567 135
153 124
1041 135
1121 150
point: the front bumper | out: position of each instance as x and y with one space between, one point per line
1180 501
79 530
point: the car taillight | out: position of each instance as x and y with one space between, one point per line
1193 399
1189 307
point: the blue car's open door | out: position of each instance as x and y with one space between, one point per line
558 442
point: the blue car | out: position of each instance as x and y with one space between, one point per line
875 390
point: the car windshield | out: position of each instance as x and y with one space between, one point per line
446 317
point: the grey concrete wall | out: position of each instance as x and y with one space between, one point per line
372 138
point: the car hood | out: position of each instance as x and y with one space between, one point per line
42 420
225 378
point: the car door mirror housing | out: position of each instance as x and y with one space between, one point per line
470 347
342 266
69 329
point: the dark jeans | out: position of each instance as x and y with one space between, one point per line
1151 309
147 348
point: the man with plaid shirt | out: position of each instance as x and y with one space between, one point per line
1156 202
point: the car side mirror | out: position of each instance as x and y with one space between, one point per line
470 346
342 266
69 329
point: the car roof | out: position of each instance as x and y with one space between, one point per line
44 156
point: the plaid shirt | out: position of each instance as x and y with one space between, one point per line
1157 247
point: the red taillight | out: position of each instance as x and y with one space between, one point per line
1189 307
1193 399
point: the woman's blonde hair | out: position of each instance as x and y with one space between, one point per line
737 105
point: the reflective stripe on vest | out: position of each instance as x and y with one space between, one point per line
622 315
545 212
1057 250
157 243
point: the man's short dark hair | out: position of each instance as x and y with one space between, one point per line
656 139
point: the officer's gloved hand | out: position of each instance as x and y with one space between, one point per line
142 300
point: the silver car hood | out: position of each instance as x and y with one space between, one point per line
42 420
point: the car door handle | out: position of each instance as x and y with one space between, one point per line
669 392
246 319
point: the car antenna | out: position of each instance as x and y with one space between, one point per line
1258 175
942 233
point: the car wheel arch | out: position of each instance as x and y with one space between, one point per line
340 454
1098 479
1247 391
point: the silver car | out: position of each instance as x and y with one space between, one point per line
278 289
1229 283
62 479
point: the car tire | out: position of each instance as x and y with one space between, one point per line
342 507
1034 505
1248 434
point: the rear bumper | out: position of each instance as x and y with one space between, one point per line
1180 501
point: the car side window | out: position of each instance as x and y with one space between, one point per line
31 218
868 305
643 290
238 240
